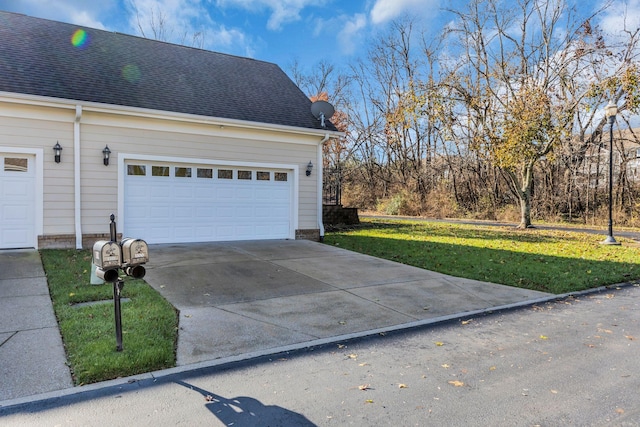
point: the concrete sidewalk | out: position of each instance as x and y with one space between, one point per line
239 300
32 358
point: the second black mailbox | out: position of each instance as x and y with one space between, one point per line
135 252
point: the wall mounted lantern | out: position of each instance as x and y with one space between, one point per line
309 168
57 149
105 154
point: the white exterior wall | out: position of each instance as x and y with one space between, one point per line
29 127
23 124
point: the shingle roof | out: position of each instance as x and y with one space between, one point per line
38 57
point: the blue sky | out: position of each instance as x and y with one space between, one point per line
279 31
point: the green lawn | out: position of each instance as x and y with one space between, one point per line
543 260
149 322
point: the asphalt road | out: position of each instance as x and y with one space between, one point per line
569 362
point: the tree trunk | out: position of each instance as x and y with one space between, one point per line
522 187
525 209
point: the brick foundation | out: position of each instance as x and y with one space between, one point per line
68 241
310 234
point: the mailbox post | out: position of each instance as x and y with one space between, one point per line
117 289
110 257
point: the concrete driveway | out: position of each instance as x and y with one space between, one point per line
259 297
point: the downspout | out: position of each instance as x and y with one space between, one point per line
320 179
76 176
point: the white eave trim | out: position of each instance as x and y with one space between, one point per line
157 114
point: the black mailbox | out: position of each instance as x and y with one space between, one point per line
135 252
107 259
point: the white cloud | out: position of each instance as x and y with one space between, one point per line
183 20
79 12
169 20
388 10
348 36
621 15
85 19
282 11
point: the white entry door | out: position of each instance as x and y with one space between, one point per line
17 201
172 203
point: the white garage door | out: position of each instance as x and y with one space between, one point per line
17 201
172 203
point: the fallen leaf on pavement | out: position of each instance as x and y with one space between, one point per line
402 386
439 344
456 383
466 322
364 387
542 337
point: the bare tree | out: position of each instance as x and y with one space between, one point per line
514 82
159 28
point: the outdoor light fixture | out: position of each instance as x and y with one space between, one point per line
309 167
611 110
105 154
57 149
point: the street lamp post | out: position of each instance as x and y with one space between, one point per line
611 110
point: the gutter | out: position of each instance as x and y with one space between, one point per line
46 101
320 181
76 176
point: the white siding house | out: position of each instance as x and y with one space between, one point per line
203 146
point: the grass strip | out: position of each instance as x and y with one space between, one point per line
149 322
544 260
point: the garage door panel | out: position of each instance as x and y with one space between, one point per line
157 233
184 233
136 191
203 212
15 238
183 192
245 214
136 212
225 193
205 232
225 212
159 191
15 213
180 209
18 189
160 213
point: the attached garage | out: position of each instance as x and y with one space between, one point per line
181 202
180 144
